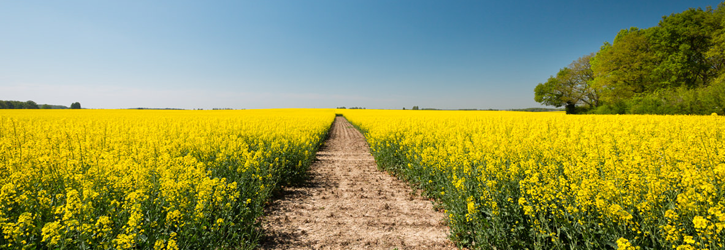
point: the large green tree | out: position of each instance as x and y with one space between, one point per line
18 105
571 87
680 44
31 105
624 68
676 67
715 55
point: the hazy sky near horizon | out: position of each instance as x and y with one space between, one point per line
303 54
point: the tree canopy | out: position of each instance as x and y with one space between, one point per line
18 105
570 87
677 66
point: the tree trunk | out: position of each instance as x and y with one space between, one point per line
570 108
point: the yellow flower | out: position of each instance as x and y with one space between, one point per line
669 214
685 247
159 245
624 244
172 245
51 233
689 240
700 223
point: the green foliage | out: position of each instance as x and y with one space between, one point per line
623 69
75 105
18 105
547 94
680 43
611 108
31 105
537 110
681 100
676 67
570 87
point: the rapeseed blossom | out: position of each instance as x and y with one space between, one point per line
515 180
130 179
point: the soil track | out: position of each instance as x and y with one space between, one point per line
348 204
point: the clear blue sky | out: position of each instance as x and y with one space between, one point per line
302 54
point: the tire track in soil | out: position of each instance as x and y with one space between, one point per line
347 203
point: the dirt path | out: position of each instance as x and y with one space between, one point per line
348 204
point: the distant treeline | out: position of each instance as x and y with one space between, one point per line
537 110
142 108
676 67
525 109
33 105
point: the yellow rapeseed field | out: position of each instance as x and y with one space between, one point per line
507 180
147 179
515 180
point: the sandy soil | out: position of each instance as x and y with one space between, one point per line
348 204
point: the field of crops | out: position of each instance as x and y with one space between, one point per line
511 180
507 180
147 179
